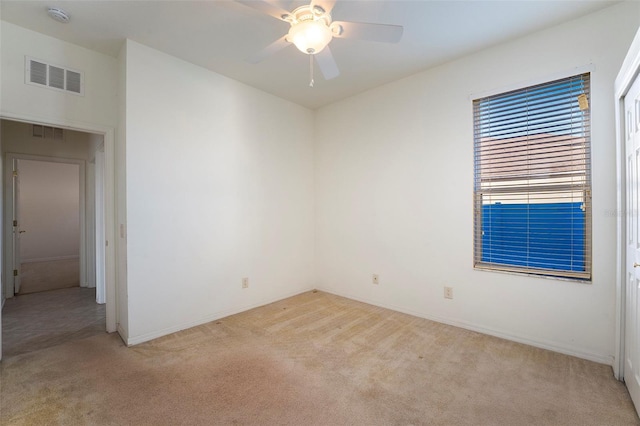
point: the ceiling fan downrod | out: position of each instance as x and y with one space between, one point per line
310 70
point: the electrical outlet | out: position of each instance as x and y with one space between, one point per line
448 292
375 279
245 283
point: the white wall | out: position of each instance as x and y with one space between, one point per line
394 186
49 210
219 183
97 106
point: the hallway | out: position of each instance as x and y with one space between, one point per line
40 320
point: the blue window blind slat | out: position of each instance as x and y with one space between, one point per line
555 242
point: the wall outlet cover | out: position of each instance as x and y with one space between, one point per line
448 292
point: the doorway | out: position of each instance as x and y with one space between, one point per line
627 89
50 236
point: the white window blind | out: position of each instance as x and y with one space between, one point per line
532 189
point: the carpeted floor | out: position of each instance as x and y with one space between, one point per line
314 359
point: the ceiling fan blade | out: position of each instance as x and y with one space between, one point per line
274 47
327 5
327 64
266 8
365 31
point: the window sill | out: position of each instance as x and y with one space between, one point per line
586 279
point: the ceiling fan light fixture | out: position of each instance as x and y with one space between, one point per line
336 29
310 37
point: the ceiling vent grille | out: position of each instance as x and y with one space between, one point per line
38 73
47 132
41 73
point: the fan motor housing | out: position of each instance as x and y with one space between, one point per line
308 13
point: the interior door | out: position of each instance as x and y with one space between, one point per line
16 229
632 303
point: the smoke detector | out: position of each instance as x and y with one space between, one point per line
58 14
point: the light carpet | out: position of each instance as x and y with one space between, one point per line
313 359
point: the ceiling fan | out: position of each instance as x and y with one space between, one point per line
312 29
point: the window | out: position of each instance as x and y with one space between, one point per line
532 189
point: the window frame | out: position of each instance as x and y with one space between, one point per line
479 192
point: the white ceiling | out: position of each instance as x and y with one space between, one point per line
220 35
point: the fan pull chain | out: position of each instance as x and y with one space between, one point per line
310 70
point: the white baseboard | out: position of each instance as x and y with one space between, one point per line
135 340
566 350
121 333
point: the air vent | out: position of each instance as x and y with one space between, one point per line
55 77
74 81
47 132
38 72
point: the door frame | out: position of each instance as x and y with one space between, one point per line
108 134
629 71
99 236
9 249
11 214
